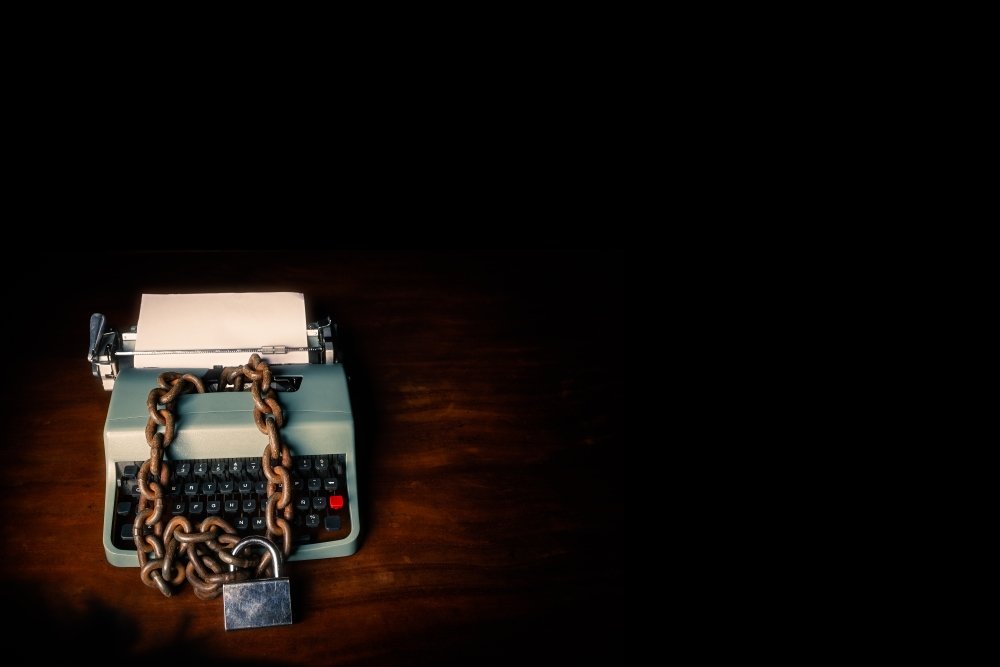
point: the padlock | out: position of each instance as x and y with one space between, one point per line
260 603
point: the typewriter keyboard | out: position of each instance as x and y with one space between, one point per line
236 490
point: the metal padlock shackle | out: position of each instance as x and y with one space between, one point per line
260 542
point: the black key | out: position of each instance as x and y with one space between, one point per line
177 507
338 464
214 506
243 523
332 523
259 523
304 464
134 490
314 483
253 466
312 520
319 502
246 487
191 489
126 533
209 488
218 468
232 506
184 469
261 487
249 505
302 504
197 507
225 487
200 468
172 489
130 471
321 464
236 467
330 484
296 484
124 508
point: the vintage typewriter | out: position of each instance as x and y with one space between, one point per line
215 459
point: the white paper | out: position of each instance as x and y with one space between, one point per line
216 321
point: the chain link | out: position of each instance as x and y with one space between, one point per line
170 551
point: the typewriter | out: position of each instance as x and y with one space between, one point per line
215 458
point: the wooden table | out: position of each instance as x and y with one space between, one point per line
488 392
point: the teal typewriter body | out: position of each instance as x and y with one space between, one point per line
216 455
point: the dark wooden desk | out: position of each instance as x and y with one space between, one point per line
488 391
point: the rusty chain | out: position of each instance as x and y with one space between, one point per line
208 547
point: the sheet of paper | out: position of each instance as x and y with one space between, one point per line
217 321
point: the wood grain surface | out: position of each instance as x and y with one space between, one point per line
488 391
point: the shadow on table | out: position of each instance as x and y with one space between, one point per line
44 632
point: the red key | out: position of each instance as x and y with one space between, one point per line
336 502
